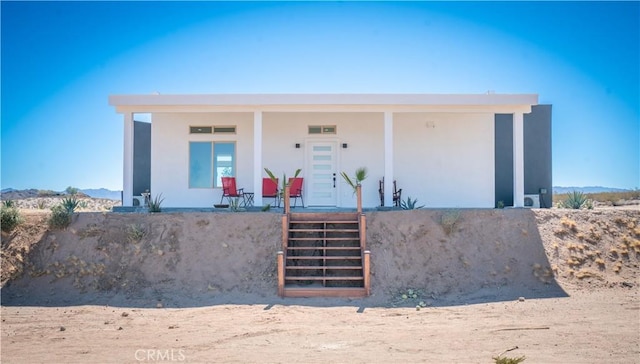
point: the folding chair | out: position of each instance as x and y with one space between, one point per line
270 190
295 189
230 191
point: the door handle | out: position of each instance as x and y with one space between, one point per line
334 180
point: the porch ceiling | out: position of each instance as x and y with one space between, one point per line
494 103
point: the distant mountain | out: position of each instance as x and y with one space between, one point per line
102 193
587 189
7 190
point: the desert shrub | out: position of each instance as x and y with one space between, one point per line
409 204
135 233
70 204
506 360
575 200
72 191
155 203
10 216
448 221
8 203
500 204
60 217
46 193
83 204
41 204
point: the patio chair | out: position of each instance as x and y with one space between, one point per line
270 190
295 189
397 193
230 191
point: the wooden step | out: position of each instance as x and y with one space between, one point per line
324 292
328 230
343 257
322 278
326 238
324 216
324 248
325 267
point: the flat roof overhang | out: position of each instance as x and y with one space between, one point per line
490 102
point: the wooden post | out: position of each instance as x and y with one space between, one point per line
363 232
286 200
365 272
359 196
281 274
285 231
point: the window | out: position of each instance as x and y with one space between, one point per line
224 129
322 129
200 130
209 161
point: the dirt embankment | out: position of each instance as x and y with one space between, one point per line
196 259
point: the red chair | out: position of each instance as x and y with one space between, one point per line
295 189
270 190
230 191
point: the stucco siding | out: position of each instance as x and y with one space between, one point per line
362 132
445 160
170 155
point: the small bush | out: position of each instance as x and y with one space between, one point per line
448 220
72 191
8 203
60 217
9 216
505 360
155 203
135 233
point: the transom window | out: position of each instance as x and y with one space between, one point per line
216 129
322 129
209 162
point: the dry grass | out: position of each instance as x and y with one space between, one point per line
603 197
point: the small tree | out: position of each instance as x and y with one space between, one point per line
72 191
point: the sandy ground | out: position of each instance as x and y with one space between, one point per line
200 287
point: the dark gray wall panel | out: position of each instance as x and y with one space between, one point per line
537 153
141 157
504 158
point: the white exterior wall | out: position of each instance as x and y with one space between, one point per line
361 131
445 160
170 155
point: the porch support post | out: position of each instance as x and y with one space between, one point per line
257 158
388 158
127 173
518 159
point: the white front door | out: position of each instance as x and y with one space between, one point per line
322 166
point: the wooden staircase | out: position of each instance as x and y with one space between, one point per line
323 255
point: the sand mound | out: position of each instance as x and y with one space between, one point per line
197 259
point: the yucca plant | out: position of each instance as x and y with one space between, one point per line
361 175
409 204
70 204
154 203
575 200
8 203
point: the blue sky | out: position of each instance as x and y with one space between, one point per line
60 61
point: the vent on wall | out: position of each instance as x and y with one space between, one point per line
532 201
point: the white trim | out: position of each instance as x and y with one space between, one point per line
495 103
257 158
388 158
127 172
518 160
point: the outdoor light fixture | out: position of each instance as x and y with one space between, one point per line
297 145
344 145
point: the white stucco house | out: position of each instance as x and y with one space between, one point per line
449 151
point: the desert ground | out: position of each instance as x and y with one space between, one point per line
552 285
